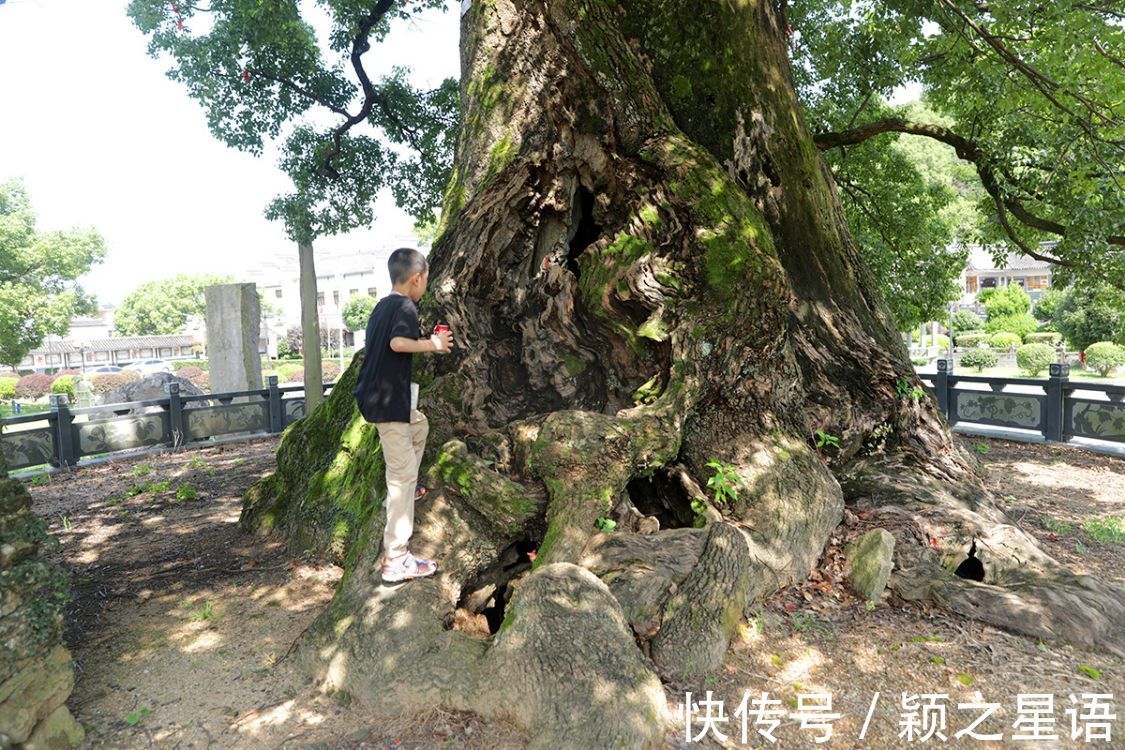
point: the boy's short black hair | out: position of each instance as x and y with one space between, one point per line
404 263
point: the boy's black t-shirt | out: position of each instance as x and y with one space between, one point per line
382 389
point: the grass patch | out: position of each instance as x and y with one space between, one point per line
1106 530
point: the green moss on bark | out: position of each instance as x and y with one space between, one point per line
330 477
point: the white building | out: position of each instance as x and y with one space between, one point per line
340 276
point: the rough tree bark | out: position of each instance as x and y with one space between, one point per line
647 268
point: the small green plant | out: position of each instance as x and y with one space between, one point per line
138 489
981 448
937 660
1106 530
826 439
699 508
64 521
186 493
206 612
725 482
38 479
197 463
1090 672
605 524
1056 527
805 622
905 389
965 679
160 486
141 470
869 605
133 718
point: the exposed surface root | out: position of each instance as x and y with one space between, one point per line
1024 589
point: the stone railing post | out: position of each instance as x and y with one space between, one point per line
277 417
942 386
1053 420
175 413
64 435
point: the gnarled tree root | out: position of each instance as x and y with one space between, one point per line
564 666
1024 589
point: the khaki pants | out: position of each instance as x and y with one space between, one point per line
403 444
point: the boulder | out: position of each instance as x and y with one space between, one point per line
149 388
869 563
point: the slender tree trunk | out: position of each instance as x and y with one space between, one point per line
647 269
310 328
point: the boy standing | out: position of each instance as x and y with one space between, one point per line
387 397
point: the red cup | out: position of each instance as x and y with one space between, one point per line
441 328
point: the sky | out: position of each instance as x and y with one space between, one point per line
103 139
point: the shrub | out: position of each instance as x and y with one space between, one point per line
1035 358
33 386
8 388
1104 356
1004 340
108 381
200 364
203 382
330 371
64 384
1043 337
298 376
189 372
1020 324
979 359
971 340
965 321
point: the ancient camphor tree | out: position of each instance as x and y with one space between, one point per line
647 267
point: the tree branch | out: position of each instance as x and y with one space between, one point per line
360 45
969 151
299 90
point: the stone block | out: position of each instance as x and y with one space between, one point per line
869 563
233 328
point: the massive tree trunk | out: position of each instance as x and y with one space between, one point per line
646 265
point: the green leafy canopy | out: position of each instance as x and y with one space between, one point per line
263 74
1026 95
39 293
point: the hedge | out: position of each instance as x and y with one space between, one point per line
8 388
108 381
1004 340
971 340
1035 358
1042 337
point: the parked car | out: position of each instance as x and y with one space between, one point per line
104 370
150 366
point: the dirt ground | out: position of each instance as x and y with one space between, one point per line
180 625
